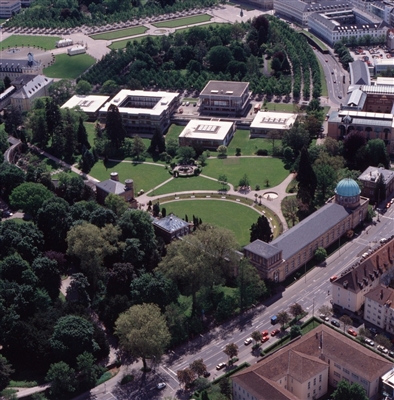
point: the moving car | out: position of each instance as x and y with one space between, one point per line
220 366
248 341
333 278
335 323
161 385
274 319
352 332
275 332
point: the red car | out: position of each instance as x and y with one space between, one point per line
388 205
265 333
275 332
264 339
352 332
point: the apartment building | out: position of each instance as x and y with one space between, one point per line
379 307
370 179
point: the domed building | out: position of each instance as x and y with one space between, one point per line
347 193
295 247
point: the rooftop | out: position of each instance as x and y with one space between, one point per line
89 104
197 129
347 188
273 120
170 223
359 73
225 88
372 174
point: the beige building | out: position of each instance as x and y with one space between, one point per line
308 365
229 99
370 178
294 248
379 307
23 98
89 104
143 112
265 122
207 134
349 289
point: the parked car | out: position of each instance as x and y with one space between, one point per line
248 341
373 331
352 332
7 213
161 385
333 278
264 333
324 317
275 332
220 366
335 323
382 349
264 339
206 374
391 354
369 342
388 205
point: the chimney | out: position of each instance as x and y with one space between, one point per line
128 184
114 176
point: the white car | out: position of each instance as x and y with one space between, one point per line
161 385
248 341
324 317
220 366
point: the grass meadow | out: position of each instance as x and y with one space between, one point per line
120 33
44 42
69 67
175 23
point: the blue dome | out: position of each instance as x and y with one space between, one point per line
347 188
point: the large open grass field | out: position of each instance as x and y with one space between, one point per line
248 146
184 184
45 42
136 30
175 23
217 213
258 170
145 176
69 67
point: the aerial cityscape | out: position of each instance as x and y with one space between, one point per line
197 200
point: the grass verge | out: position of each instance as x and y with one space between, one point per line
175 23
120 33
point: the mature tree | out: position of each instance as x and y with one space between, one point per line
383 341
346 320
47 271
290 209
138 147
61 91
325 310
201 260
54 220
326 178
295 331
77 291
377 153
244 181
249 285
296 310
5 372
225 387
256 336
218 58
274 135
82 136
198 367
90 245
261 230
116 204
172 146
353 142
283 317
348 391
63 380
72 188
157 143
10 177
186 376
153 288
13 121
231 350
320 254
186 154
307 180
109 87
223 181
222 150
103 216
72 335
296 138
88 371
114 128
83 87
29 197
143 332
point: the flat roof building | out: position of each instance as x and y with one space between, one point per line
143 112
264 122
207 134
89 104
304 368
9 7
370 179
225 98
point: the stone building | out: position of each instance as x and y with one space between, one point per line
370 180
171 227
294 248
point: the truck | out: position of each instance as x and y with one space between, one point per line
274 319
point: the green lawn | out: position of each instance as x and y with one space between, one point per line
121 44
324 90
174 131
90 130
282 107
175 23
248 146
145 176
136 30
258 170
69 67
212 25
44 42
187 184
210 211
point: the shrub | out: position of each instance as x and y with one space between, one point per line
262 152
127 379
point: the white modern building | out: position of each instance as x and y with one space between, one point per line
89 104
265 122
207 134
383 64
37 87
8 8
143 112
64 43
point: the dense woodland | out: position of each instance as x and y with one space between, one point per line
189 59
